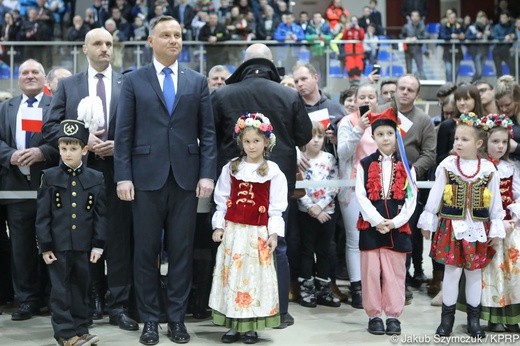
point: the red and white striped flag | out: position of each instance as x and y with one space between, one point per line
32 119
321 116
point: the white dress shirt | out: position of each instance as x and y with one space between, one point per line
20 134
107 80
160 74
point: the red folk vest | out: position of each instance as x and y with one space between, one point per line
248 202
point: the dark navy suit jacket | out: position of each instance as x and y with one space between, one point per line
149 142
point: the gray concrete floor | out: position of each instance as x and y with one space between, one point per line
319 326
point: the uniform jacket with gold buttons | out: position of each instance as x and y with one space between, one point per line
71 210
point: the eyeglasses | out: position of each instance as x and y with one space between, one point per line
483 90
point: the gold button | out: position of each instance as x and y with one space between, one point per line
57 193
73 226
74 174
57 199
90 197
58 205
74 194
89 202
73 216
73 205
73 183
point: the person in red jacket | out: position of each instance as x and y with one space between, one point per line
354 51
334 11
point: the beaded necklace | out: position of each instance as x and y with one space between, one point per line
465 175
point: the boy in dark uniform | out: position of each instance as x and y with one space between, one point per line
71 226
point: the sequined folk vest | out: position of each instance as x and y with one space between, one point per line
466 197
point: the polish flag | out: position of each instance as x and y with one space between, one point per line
32 119
405 123
321 116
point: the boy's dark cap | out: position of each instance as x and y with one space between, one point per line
75 129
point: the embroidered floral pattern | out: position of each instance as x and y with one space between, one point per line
448 194
263 252
237 260
486 198
243 299
244 281
460 253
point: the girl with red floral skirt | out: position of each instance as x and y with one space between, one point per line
464 211
386 202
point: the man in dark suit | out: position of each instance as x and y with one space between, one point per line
100 80
165 158
23 155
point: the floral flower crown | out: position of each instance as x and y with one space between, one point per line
497 120
471 119
258 121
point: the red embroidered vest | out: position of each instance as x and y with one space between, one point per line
248 202
506 192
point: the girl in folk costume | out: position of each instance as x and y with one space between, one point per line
465 212
317 224
501 278
386 202
250 196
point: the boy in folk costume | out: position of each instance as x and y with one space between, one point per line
387 201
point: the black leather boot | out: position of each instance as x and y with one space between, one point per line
474 328
355 292
97 303
447 320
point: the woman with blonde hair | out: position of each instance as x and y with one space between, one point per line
507 97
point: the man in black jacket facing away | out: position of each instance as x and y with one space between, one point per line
255 87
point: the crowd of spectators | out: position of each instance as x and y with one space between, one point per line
246 20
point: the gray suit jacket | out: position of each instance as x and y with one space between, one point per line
12 178
71 91
149 142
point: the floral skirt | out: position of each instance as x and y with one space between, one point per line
501 282
244 293
459 253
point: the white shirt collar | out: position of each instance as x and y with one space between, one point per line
159 67
38 98
107 72
386 157
74 169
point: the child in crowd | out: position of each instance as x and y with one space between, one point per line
386 201
317 224
464 210
250 196
501 278
71 226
